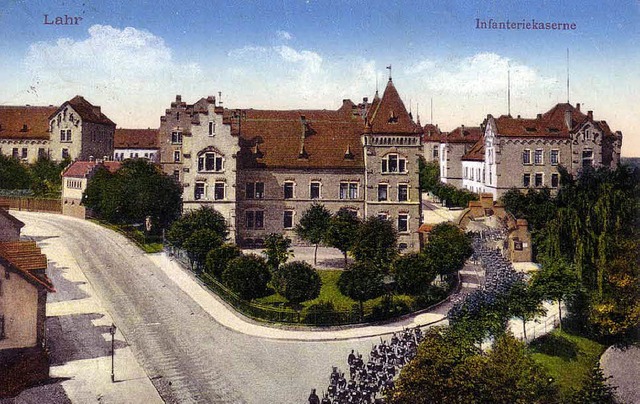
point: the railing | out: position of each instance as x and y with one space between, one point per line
32 204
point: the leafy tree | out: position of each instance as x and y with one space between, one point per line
277 249
525 303
361 281
555 281
298 281
595 389
199 243
218 258
103 195
429 175
313 226
247 275
414 273
202 218
13 174
45 176
376 242
448 248
342 231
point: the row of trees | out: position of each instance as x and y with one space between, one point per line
41 178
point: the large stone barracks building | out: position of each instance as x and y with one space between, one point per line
263 168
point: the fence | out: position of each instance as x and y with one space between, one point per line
32 204
540 326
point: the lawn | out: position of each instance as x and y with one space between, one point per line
134 235
567 358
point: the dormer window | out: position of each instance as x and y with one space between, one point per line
393 118
210 162
394 163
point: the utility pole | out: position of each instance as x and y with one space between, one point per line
112 331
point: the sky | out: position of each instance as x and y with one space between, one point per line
132 58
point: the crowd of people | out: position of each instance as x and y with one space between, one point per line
368 382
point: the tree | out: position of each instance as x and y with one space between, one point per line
277 249
448 248
298 281
429 175
247 276
556 281
45 176
376 242
414 273
342 231
313 226
361 281
595 389
13 174
199 243
525 303
218 259
202 218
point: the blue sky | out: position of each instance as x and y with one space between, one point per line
133 57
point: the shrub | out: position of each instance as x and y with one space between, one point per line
321 313
203 218
199 243
218 259
247 276
297 281
414 274
388 308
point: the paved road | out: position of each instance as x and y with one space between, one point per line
186 353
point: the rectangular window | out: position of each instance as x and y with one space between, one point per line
402 166
353 190
553 157
466 172
259 219
25 152
435 152
288 219
254 219
526 180
537 156
383 192
212 128
383 216
344 189
314 190
587 158
198 191
393 163
403 193
176 175
209 162
41 153
250 190
288 190
2 334
555 180
176 156
219 163
176 137
538 180
259 190
403 223
65 154
15 152
526 157
63 135
348 190
218 191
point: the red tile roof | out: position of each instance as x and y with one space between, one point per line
135 139
26 258
25 122
83 169
431 133
298 138
476 153
390 114
464 134
87 111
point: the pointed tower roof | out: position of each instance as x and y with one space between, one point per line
389 115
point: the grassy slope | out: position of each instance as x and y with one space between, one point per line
567 358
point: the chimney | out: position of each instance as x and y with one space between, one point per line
462 130
178 98
567 119
518 116
590 115
578 107
539 116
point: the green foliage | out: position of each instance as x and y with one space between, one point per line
218 259
595 389
414 274
199 243
342 231
247 276
320 313
277 249
203 218
361 281
137 190
447 249
376 243
13 174
45 177
297 281
556 281
525 303
313 226
429 175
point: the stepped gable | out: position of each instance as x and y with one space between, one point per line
464 134
476 153
298 138
26 258
25 122
87 111
389 115
135 138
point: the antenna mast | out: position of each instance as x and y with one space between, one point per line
431 111
567 75
508 88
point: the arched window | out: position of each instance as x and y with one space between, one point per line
210 162
394 163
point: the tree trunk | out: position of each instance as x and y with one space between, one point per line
524 329
315 256
345 260
560 313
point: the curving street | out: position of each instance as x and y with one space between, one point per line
187 354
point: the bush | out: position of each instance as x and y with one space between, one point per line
203 218
218 259
199 243
247 276
297 281
321 313
389 308
414 274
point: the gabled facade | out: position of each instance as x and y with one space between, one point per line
24 132
453 146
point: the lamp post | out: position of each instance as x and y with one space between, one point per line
112 331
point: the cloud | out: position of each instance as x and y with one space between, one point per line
123 69
284 35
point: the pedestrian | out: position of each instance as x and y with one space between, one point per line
313 397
